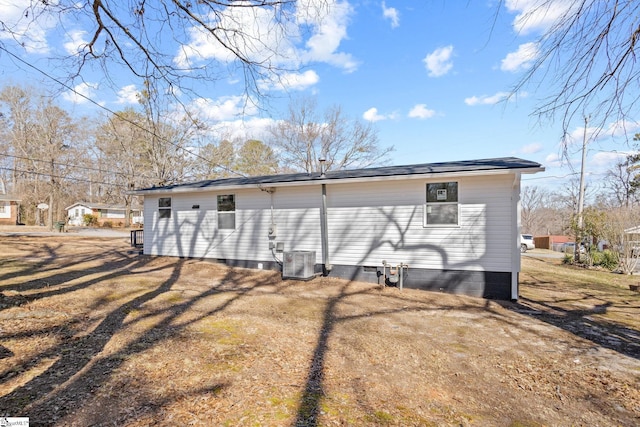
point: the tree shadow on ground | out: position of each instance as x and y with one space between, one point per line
583 323
310 404
80 365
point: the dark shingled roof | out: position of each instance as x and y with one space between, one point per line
504 163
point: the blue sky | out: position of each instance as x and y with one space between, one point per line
430 75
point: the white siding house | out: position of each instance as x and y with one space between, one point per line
102 212
9 209
456 225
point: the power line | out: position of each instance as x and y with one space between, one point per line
62 177
549 177
64 164
121 117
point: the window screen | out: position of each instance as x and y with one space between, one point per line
441 207
227 212
164 207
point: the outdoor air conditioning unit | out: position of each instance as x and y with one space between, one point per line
299 265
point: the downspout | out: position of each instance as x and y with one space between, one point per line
516 261
324 228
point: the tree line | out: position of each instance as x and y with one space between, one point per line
611 213
49 156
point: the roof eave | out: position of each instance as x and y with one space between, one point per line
331 181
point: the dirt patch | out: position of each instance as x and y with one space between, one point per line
92 334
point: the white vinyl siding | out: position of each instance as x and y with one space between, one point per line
112 213
77 215
195 233
367 223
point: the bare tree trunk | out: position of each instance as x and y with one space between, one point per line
50 211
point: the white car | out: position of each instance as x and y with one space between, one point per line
526 242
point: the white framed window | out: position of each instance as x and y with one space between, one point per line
441 207
164 207
227 212
5 209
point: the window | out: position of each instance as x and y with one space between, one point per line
164 207
3 208
227 212
442 204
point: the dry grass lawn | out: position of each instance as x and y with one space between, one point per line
91 334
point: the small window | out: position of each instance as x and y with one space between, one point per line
3 208
164 207
227 212
442 204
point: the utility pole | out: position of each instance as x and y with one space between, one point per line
581 192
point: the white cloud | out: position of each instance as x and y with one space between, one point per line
254 33
75 42
226 108
438 62
520 59
486 99
262 38
228 117
553 160
242 129
537 15
593 133
532 148
128 95
329 31
372 115
622 128
292 81
420 111
607 159
27 23
392 14
80 93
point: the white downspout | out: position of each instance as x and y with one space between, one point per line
516 256
324 228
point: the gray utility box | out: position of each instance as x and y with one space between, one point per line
299 265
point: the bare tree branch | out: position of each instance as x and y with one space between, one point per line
589 57
305 136
174 41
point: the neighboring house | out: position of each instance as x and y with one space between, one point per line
632 237
8 209
553 242
101 211
456 225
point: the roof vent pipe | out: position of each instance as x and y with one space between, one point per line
322 160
